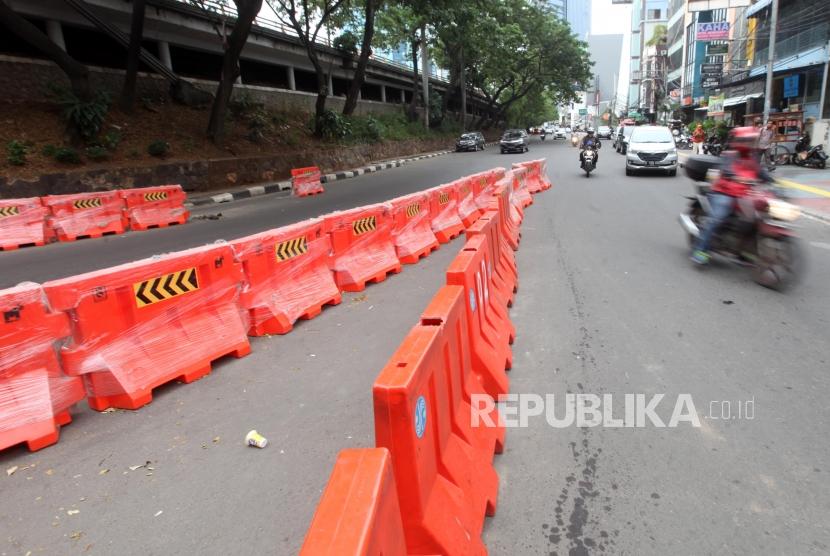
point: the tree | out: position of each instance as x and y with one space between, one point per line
307 18
246 12
370 7
400 23
136 33
658 35
77 73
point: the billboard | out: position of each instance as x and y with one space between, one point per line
712 31
716 104
717 49
791 86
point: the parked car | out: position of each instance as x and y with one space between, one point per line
471 141
651 148
514 140
621 139
604 132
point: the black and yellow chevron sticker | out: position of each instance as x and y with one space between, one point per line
9 211
364 225
87 203
166 286
155 196
413 210
465 190
482 182
291 248
443 198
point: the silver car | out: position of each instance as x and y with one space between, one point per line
651 148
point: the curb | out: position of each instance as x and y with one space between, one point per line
279 187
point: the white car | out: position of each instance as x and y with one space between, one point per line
604 132
651 148
559 133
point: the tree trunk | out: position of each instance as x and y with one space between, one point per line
412 111
136 34
247 11
77 73
366 49
322 94
462 87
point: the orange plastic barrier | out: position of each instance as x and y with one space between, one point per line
306 181
447 310
468 210
446 223
34 396
22 222
490 329
287 276
521 194
85 215
483 184
508 214
412 232
537 175
155 207
504 273
362 247
140 325
443 489
359 514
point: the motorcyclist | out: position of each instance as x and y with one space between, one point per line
589 142
740 167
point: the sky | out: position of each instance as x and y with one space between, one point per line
607 18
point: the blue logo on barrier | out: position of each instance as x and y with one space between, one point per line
472 300
420 416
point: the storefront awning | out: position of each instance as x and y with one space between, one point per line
702 108
732 101
812 57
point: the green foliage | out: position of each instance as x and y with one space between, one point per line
97 153
347 43
366 129
49 150
16 152
532 110
111 140
85 118
158 148
66 155
242 105
658 35
334 125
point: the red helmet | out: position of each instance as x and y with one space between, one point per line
744 139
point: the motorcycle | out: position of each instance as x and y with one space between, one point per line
589 160
681 140
543 134
814 157
574 140
760 233
713 146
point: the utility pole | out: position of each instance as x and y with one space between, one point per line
824 81
425 74
772 29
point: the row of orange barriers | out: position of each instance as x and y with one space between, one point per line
429 482
40 220
116 334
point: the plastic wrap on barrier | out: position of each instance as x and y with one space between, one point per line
435 470
412 231
359 513
446 222
35 396
521 194
468 210
155 207
500 195
447 310
143 324
287 276
362 246
489 331
22 222
306 181
505 278
85 215
537 175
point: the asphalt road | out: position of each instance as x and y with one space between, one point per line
608 304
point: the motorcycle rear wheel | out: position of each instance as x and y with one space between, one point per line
781 262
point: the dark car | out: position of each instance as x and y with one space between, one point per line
621 138
514 141
471 141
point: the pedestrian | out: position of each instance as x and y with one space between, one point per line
765 140
698 137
